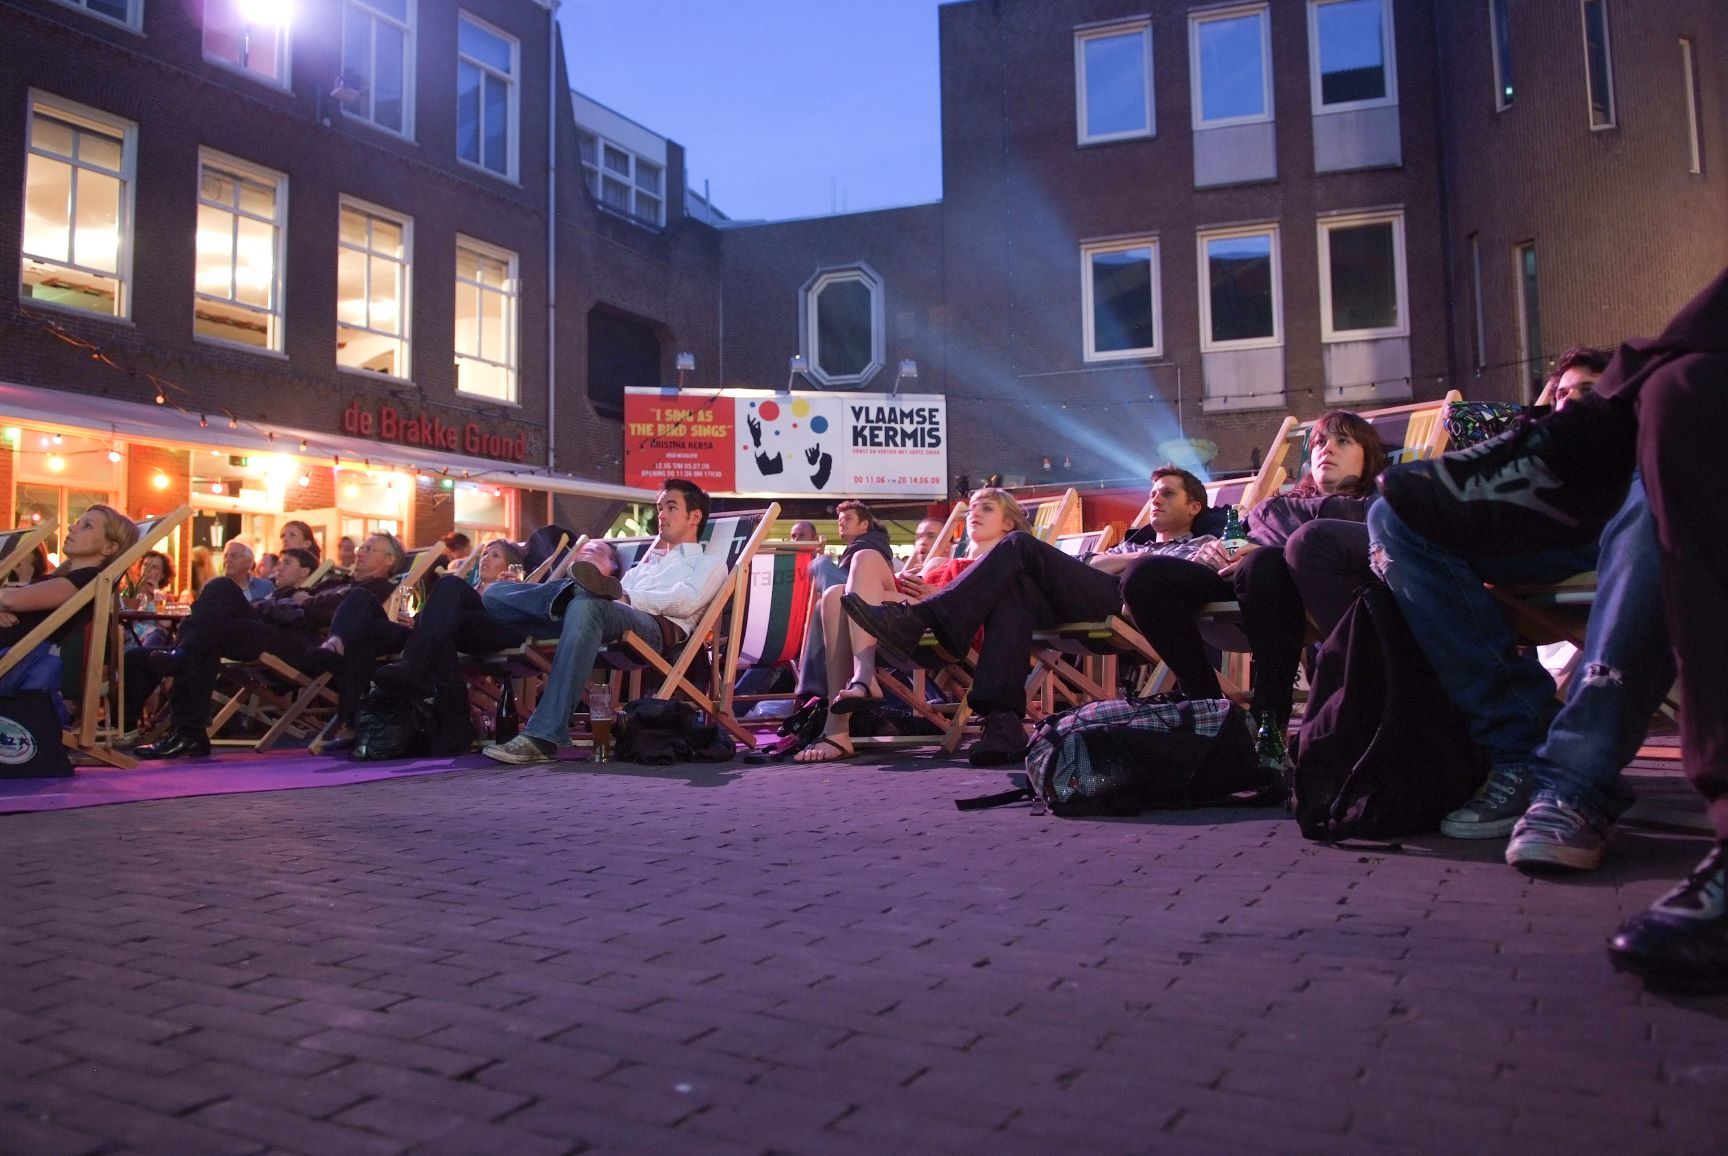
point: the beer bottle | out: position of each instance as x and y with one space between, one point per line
1234 537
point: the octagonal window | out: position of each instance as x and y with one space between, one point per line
843 325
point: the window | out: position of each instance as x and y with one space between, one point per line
77 248
1500 34
1113 82
127 12
842 314
1598 64
1240 307
622 181
1232 67
372 266
1119 293
1529 318
1351 54
1480 334
1689 77
378 62
1362 295
238 281
249 36
486 97
486 295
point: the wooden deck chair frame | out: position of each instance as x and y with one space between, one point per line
319 574
22 546
283 710
90 736
798 615
420 564
944 546
552 560
562 570
1056 516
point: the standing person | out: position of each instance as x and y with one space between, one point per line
673 583
1661 407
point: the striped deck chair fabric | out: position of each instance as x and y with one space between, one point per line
776 607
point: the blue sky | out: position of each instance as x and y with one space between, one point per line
789 108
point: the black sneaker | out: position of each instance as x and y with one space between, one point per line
1002 742
1681 943
1545 484
897 627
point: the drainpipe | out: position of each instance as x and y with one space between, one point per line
551 241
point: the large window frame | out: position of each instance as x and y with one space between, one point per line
1203 239
363 108
243 173
1329 332
602 175
1608 116
81 119
1388 60
810 310
1084 38
1196 73
509 293
1500 48
1527 301
132 22
405 287
1689 77
1088 303
488 72
235 12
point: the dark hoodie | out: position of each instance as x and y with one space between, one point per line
1700 327
875 539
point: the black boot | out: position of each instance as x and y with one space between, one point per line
1548 483
181 743
455 733
897 627
1681 943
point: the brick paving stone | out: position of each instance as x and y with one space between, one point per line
266 1124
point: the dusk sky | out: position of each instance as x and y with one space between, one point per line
788 108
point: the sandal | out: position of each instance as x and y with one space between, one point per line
840 752
844 703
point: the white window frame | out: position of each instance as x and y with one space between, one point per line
1088 317
597 172
1196 82
513 80
1479 339
810 311
96 120
410 53
284 52
1208 345
512 295
277 315
134 21
1530 361
1329 333
406 223
1142 26
1613 120
1689 75
1388 56
1496 50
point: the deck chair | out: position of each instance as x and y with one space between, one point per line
1054 516
1078 662
776 610
562 570
97 668
318 575
16 546
557 557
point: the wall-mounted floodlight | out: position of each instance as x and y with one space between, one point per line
795 365
685 363
908 372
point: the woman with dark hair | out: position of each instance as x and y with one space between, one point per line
297 535
1162 593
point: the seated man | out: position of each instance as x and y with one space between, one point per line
223 624
672 583
237 564
923 542
1020 586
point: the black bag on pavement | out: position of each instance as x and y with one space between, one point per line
662 731
1382 752
30 743
392 727
1123 756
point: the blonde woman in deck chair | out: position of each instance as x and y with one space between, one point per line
100 534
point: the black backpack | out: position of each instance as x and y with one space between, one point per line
1383 752
665 731
390 726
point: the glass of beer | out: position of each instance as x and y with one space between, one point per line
600 720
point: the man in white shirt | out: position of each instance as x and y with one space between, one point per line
672 583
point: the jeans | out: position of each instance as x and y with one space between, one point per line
584 625
1508 696
1624 669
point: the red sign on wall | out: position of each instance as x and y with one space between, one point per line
390 424
677 436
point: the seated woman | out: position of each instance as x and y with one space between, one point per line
100 534
1162 593
991 514
151 579
223 624
297 535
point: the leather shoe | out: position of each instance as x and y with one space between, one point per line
164 662
183 743
897 627
1002 742
1681 943
588 576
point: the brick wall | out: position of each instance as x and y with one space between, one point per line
144 464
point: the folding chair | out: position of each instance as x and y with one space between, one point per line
1053 516
555 558
776 610
16 546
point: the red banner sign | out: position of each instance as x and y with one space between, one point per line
673 436
389 424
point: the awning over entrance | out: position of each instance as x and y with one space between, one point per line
133 421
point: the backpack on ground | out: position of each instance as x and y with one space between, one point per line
391 726
32 715
665 731
1382 752
1123 756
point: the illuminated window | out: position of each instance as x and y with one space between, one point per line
1113 82
250 35
1500 39
486 295
241 210
372 272
77 245
486 63
378 62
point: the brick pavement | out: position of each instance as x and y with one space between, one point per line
812 960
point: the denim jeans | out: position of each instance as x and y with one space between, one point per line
584 624
1507 696
1624 669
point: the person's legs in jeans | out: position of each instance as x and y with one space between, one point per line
1625 667
588 624
1162 593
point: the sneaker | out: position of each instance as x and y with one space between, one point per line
1002 742
1494 809
1557 834
522 750
1547 483
1681 943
